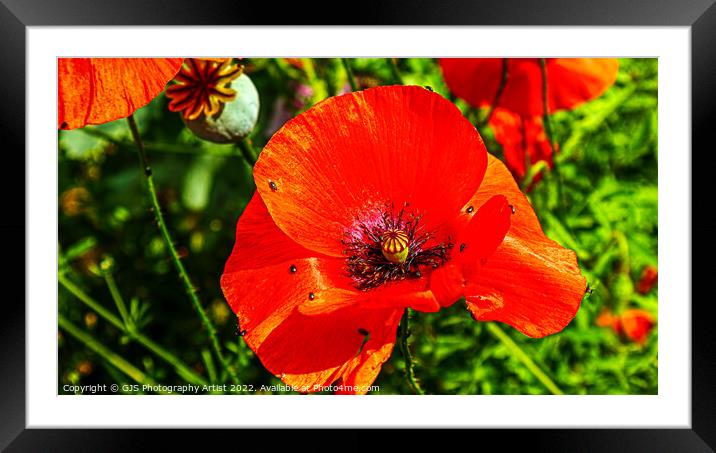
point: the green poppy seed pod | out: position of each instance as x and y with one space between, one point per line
235 120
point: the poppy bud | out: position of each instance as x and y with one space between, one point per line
236 118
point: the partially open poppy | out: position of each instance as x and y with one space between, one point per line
372 202
99 90
634 324
523 139
648 279
571 81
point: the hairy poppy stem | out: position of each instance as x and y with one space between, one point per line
404 333
183 276
349 73
395 72
498 95
248 152
520 355
179 366
101 350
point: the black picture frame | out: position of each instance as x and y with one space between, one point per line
16 15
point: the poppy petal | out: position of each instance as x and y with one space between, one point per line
523 140
571 81
359 152
476 242
99 90
485 232
577 80
530 281
309 351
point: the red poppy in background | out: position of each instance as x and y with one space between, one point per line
99 90
649 277
521 138
372 202
571 81
635 324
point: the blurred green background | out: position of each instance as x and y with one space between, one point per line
110 247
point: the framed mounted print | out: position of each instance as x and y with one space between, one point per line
403 225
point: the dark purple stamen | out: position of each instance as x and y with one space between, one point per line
366 262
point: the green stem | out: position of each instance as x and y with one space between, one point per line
117 297
169 242
545 103
182 370
403 334
349 73
546 119
112 358
520 355
623 247
218 151
321 88
248 152
395 72
498 95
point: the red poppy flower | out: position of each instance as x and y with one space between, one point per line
571 81
649 277
372 202
522 138
633 323
99 90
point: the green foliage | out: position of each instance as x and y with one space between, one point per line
601 201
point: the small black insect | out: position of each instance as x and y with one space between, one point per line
293 269
462 246
428 87
273 186
512 208
311 296
470 209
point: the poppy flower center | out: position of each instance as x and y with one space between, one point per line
387 247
